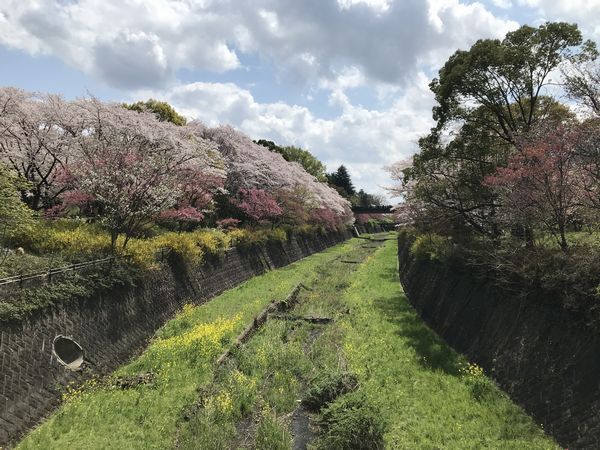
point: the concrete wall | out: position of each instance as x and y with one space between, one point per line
546 358
113 328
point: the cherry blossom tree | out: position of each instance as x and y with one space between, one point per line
36 135
182 216
228 223
326 218
13 212
540 185
588 150
257 204
296 204
131 165
252 166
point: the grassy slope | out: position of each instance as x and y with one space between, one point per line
406 373
416 380
146 417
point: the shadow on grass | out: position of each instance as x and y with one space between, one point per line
433 352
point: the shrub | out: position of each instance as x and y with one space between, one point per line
17 264
184 245
228 223
212 242
75 240
191 247
351 422
145 252
432 247
238 237
277 235
71 286
248 239
309 230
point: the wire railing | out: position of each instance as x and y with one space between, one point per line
49 274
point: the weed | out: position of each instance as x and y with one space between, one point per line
327 387
352 422
271 433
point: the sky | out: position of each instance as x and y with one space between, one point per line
345 79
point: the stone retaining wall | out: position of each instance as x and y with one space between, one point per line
546 358
113 328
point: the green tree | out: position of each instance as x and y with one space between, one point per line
13 212
506 77
582 83
164 111
340 179
365 199
489 98
295 154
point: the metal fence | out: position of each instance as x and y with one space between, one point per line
48 275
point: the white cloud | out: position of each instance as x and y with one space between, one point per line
583 12
377 5
311 41
503 4
112 60
362 139
329 46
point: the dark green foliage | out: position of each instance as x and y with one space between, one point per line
432 247
163 111
352 422
327 387
505 77
295 154
366 200
542 271
340 179
13 212
70 287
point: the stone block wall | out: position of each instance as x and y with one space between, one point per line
113 328
544 357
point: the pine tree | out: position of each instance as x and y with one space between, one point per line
341 179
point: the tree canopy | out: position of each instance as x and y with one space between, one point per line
364 199
506 77
295 154
341 180
163 111
13 212
489 99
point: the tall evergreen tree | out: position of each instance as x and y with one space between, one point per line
341 180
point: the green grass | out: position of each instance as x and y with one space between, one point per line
146 417
252 399
375 377
415 380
